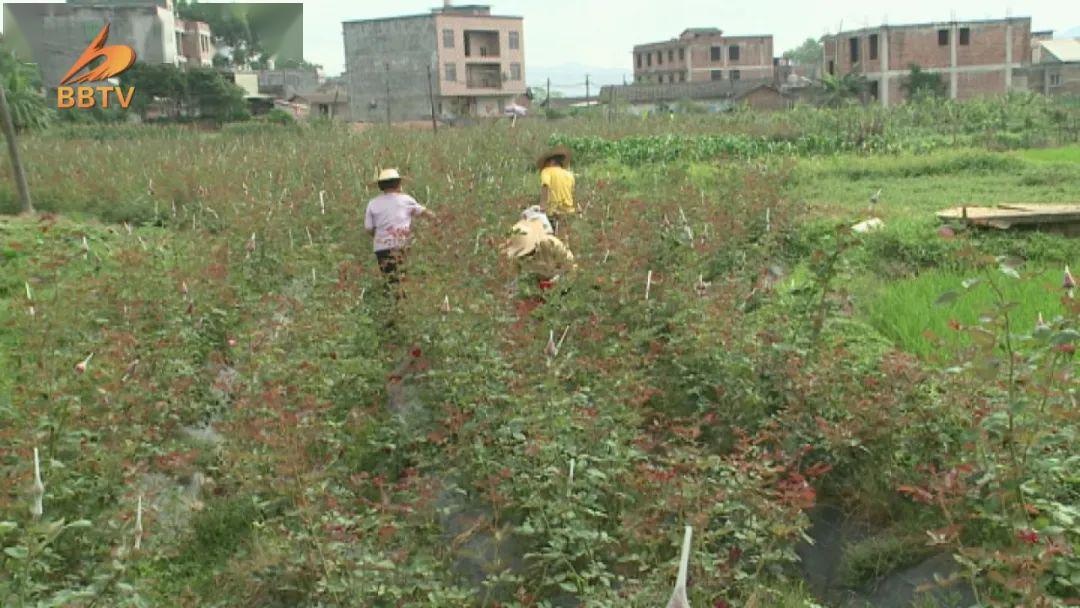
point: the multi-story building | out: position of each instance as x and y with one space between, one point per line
473 61
704 54
974 57
1055 69
194 43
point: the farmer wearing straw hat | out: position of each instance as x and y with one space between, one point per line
388 220
556 184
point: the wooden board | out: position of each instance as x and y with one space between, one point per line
1014 214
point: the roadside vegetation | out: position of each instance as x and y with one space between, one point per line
195 323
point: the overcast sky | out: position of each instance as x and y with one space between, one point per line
601 33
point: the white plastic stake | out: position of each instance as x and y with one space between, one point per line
678 596
322 201
138 525
768 220
36 509
446 304
569 486
648 284
310 241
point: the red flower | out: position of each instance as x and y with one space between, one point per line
721 604
416 352
546 284
1028 536
1066 348
946 233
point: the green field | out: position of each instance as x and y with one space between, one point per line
292 446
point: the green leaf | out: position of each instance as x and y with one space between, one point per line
969 283
946 298
19 553
7 526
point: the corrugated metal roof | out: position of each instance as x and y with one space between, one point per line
1066 50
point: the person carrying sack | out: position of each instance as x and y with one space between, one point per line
388 219
556 185
531 239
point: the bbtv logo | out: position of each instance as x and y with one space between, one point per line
117 59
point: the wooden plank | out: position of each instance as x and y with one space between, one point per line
1015 214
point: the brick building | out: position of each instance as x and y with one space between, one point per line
476 60
194 43
974 57
704 54
1056 68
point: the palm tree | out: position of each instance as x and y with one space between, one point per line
29 110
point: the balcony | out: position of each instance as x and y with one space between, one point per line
484 76
481 43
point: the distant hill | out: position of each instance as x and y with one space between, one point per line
569 78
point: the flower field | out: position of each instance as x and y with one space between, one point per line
230 411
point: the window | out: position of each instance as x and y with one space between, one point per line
735 74
682 54
965 36
515 71
682 76
514 41
448 39
853 49
671 55
873 46
943 37
1055 80
451 72
717 74
733 52
715 53
648 59
659 57
832 67
639 62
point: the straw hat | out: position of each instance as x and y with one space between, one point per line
387 175
556 151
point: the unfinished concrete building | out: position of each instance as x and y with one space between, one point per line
476 63
702 55
973 57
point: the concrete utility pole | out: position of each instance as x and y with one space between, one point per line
388 93
13 150
547 100
586 90
431 98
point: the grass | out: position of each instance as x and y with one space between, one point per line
1064 154
905 310
914 187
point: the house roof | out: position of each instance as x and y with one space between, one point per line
717 89
1065 50
331 96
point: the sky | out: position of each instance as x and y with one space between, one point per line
602 33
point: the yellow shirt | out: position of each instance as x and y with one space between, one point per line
560 185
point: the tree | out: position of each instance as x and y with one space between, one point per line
27 104
810 52
214 97
920 84
296 64
155 82
841 90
